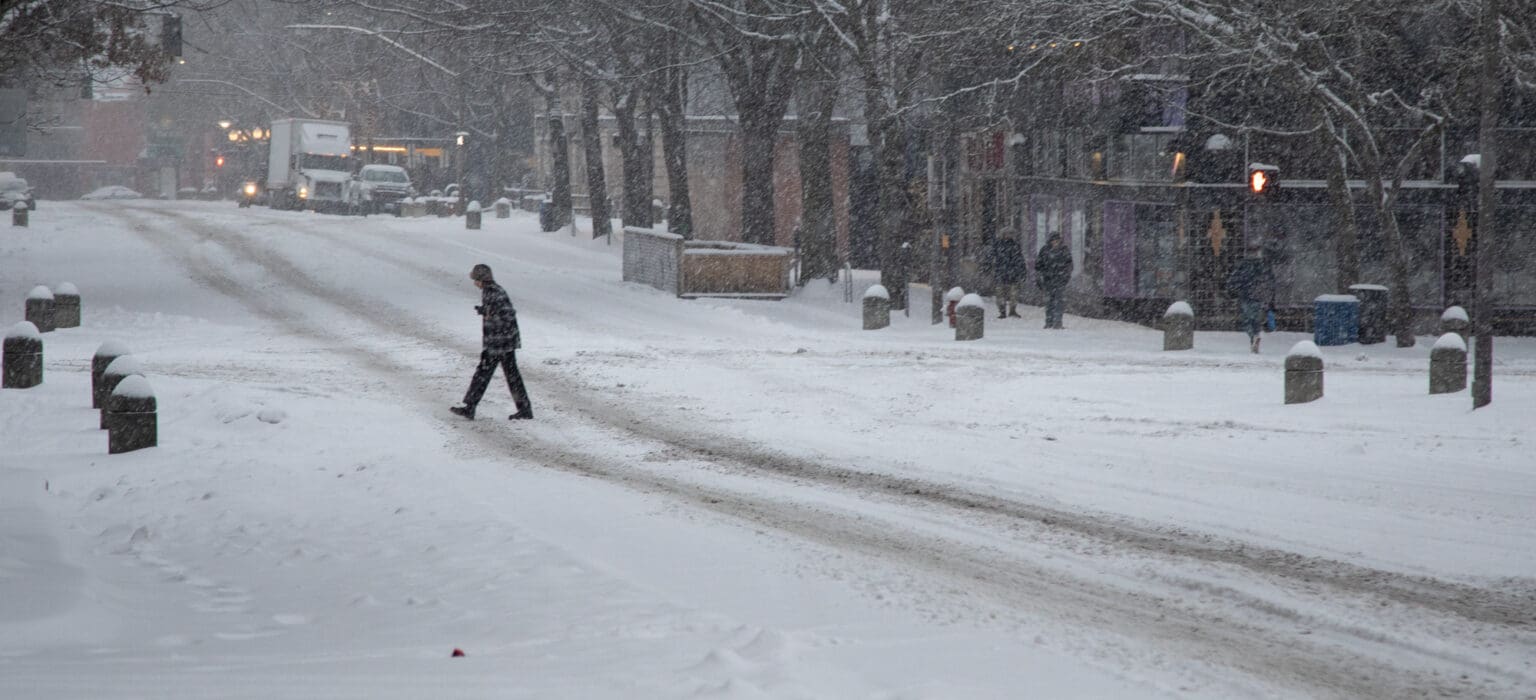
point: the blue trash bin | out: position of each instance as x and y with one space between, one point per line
1336 320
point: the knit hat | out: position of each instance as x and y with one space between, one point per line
481 273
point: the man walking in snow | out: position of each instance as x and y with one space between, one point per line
500 339
1252 283
1053 270
1008 270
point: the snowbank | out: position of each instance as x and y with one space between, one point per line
112 192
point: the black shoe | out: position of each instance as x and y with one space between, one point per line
1002 315
466 411
1014 314
525 414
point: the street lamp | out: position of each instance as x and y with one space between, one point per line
459 141
225 124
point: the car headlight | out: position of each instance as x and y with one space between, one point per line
250 189
303 192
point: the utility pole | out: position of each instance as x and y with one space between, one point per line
1482 290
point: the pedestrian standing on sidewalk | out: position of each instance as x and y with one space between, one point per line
1053 270
1008 271
1252 283
500 340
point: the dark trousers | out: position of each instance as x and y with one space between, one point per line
482 380
1054 305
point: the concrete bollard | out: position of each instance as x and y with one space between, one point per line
970 318
503 208
1303 373
877 308
1179 326
1448 365
109 351
19 215
132 422
66 306
1455 320
472 216
952 299
40 306
120 369
21 363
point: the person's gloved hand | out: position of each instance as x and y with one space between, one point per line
480 310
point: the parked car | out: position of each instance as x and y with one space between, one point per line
378 188
14 189
112 192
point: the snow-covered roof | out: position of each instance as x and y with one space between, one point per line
124 365
134 387
1338 298
1305 348
877 291
1451 341
972 300
1256 165
67 288
1454 313
39 292
1179 308
1369 287
25 329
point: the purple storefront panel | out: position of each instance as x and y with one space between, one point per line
1120 250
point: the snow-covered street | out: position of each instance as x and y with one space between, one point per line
718 498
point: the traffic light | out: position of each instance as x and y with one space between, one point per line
218 161
1263 180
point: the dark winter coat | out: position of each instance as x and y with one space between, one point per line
1251 279
1053 269
499 334
1007 261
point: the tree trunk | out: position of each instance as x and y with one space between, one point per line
674 151
818 227
637 191
894 240
1400 302
1346 229
759 131
592 146
560 189
1487 146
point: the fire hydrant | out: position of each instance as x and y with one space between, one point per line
953 297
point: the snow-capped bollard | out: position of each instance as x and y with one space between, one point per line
877 308
970 318
120 369
472 216
1448 365
132 423
503 208
1455 320
1303 373
40 304
1179 326
66 307
19 215
109 351
952 299
22 358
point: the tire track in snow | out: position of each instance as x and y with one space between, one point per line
1324 663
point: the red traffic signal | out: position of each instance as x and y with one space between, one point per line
218 161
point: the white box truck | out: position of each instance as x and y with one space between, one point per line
309 164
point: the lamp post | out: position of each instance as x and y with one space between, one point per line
459 165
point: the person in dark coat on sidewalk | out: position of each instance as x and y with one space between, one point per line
1006 260
1053 270
500 340
1252 283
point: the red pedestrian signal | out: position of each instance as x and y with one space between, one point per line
218 161
1263 180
